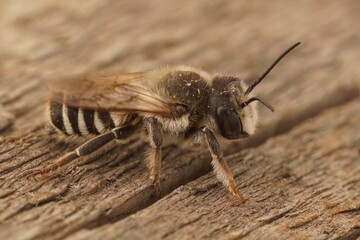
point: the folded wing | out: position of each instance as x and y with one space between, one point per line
127 92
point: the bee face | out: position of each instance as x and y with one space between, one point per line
225 107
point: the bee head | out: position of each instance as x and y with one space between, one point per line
231 107
234 112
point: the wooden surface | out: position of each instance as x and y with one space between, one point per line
300 173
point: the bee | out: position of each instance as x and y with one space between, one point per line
178 105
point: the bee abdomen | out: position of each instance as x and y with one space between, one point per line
75 120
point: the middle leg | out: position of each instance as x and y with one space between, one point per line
155 140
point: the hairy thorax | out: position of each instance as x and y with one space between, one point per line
188 90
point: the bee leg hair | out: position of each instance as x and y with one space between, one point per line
220 166
119 133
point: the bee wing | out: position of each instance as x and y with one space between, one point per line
128 92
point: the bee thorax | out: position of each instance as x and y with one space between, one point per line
186 87
174 126
178 110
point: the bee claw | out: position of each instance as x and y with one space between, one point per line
157 186
238 199
241 200
33 174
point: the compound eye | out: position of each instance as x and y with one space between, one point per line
229 123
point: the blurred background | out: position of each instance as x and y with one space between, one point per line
49 39
45 40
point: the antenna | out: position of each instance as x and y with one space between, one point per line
251 87
266 104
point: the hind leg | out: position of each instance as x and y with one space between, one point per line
89 147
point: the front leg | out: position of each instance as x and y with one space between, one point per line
220 166
155 140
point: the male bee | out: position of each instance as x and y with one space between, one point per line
178 105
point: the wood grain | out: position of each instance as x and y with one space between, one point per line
301 185
50 40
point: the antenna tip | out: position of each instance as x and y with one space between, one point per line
295 45
251 87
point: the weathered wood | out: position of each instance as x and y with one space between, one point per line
52 39
301 185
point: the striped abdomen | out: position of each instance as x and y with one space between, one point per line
74 120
